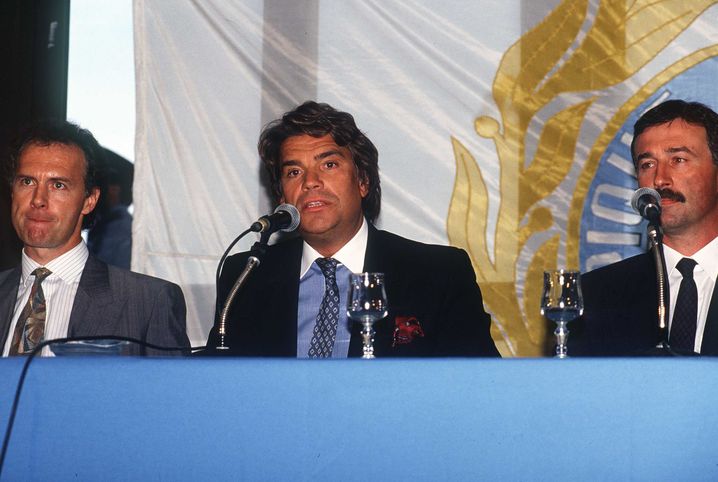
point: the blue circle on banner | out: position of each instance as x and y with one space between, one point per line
610 229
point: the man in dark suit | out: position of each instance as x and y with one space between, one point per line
59 290
294 305
675 151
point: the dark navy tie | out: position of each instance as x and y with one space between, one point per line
325 330
685 313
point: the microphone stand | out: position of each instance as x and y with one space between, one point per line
655 236
285 218
258 250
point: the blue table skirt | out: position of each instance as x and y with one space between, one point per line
107 418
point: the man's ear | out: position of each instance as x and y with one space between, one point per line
363 186
91 201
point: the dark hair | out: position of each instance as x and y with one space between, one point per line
318 120
54 131
691 112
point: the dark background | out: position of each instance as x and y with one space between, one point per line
33 82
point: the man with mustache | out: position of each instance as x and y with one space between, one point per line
294 305
675 151
59 290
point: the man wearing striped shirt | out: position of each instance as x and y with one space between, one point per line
59 290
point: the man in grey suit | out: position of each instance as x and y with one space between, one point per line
59 290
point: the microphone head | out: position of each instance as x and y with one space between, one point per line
638 204
293 213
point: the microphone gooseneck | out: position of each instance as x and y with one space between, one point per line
647 202
285 218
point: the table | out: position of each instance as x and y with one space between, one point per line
125 418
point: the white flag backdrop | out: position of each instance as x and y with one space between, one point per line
415 74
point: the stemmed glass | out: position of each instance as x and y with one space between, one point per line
367 304
561 302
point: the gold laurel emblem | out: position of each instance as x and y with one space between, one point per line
544 63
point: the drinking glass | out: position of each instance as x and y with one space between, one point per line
367 304
561 302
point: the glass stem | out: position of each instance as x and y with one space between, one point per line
367 334
561 333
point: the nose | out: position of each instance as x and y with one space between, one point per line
662 177
39 197
312 179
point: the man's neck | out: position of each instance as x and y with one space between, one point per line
329 247
42 256
689 243
350 255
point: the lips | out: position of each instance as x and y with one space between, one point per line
314 204
35 219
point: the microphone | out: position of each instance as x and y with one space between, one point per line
285 218
647 202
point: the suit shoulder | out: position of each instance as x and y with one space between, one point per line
9 273
616 280
634 265
145 281
273 251
412 247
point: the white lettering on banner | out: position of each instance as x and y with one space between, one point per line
616 215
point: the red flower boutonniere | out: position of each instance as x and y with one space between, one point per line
405 329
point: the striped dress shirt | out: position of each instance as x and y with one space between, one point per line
59 289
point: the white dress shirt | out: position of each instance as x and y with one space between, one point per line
350 255
704 274
59 289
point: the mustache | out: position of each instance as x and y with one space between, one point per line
672 195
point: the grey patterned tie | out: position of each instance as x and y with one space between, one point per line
325 330
30 326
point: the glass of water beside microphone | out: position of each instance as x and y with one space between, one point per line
367 304
561 302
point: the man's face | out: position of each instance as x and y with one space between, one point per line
321 180
48 199
674 159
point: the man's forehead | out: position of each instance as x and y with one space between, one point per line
306 144
674 133
56 155
54 146
675 126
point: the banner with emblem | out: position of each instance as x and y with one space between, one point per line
502 127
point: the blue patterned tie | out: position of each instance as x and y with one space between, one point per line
325 330
683 327
30 326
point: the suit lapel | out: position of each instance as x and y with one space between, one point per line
287 288
279 278
376 261
709 346
9 285
93 310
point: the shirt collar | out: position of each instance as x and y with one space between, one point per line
705 257
68 266
350 255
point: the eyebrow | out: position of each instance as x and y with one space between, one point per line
670 150
66 180
673 150
318 157
330 152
